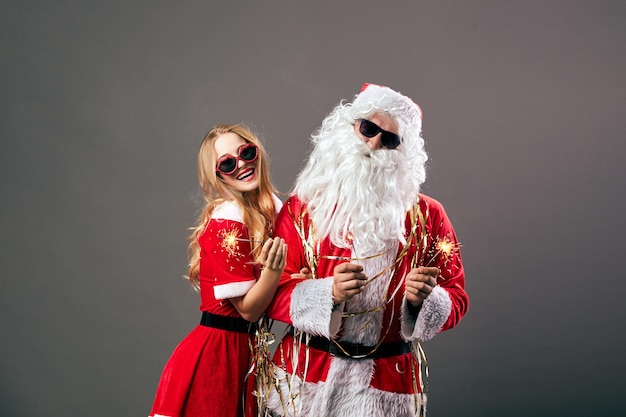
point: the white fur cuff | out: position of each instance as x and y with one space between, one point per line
311 308
432 316
234 289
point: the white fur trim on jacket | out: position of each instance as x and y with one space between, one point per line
311 308
432 316
346 393
233 289
277 203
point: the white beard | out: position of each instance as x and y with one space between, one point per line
354 191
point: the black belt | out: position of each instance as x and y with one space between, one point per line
354 350
233 324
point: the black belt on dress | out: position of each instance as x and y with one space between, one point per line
354 350
233 324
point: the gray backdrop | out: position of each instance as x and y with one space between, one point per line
104 105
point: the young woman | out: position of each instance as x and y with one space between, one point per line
236 264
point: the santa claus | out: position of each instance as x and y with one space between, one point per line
384 261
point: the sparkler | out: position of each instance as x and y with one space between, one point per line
442 248
232 239
230 242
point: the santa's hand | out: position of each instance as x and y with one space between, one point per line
348 281
274 254
304 273
419 283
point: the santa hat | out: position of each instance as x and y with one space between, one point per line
378 97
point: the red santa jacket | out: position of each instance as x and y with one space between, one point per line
378 315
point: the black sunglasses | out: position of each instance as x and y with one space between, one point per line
370 129
227 164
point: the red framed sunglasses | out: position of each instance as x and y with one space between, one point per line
227 164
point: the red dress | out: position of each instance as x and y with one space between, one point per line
205 376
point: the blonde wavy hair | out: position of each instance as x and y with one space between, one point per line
257 206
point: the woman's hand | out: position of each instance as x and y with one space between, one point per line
274 254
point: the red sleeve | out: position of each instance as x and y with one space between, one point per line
445 253
291 215
226 262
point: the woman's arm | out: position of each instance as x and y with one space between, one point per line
255 301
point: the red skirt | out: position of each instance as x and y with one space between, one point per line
206 376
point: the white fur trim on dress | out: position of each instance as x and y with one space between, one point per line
311 308
228 210
232 290
432 316
345 393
